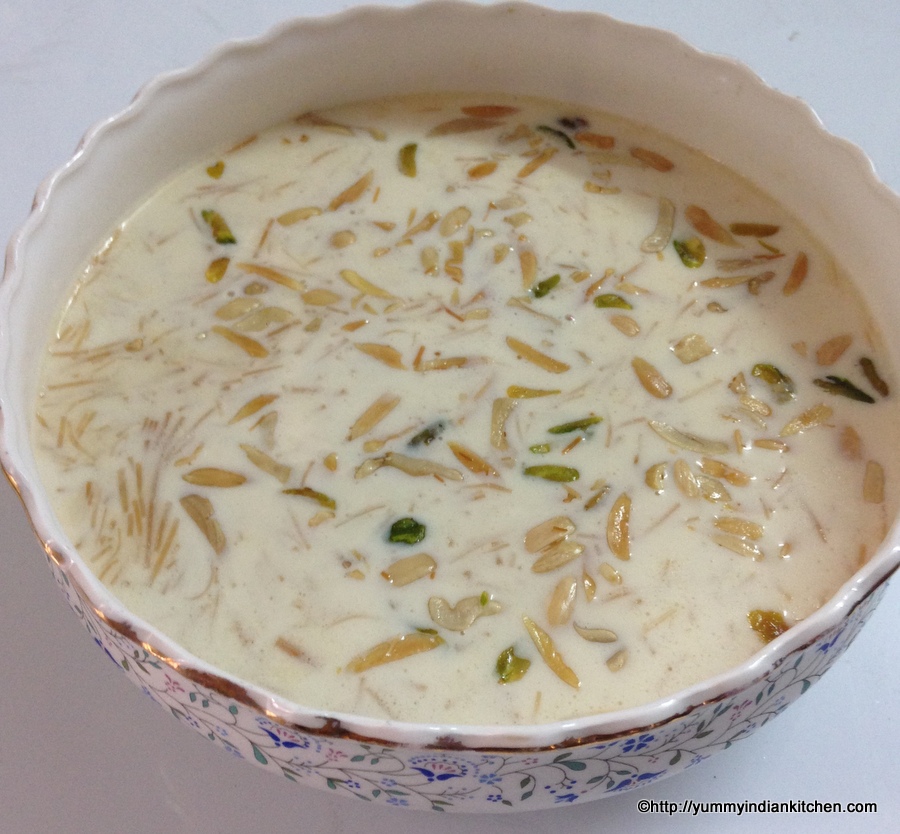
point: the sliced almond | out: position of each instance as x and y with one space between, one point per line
473 462
562 601
373 415
536 357
397 648
383 353
549 653
410 569
200 510
548 532
557 555
213 477
353 192
617 528
651 379
460 617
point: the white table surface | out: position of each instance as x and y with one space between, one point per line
81 750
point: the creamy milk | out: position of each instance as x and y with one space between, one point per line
595 383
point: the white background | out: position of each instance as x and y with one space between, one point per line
82 750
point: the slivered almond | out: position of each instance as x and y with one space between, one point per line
691 348
652 159
482 169
829 352
397 648
250 346
501 408
252 406
373 415
595 635
562 601
454 220
489 111
465 124
320 297
267 464
289 218
445 363
549 653
812 417
473 462
873 483
353 192
701 220
617 662
536 162
720 469
595 140
690 442
272 275
548 532
383 353
200 510
417 467
617 528
655 477
261 319
610 574
625 324
739 545
685 479
410 569
771 443
528 267
237 307
651 379
798 274
355 280
739 527
536 357
557 555
213 477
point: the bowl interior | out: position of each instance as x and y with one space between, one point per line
713 104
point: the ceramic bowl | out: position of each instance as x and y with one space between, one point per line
649 76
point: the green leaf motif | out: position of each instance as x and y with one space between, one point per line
258 755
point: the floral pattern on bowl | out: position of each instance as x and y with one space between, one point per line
470 780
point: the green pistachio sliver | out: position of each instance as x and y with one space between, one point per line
319 497
406 531
542 288
510 667
844 388
429 433
552 131
781 384
691 251
539 449
406 159
218 226
575 425
553 472
610 299
216 170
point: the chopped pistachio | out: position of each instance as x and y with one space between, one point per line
406 531
844 388
407 159
552 472
218 226
429 433
575 425
542 288
875 380
315 495
539 449
610 299
691 251
552 131
510 667
781 384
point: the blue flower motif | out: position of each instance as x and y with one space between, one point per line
494 797
398 800
489 778
566 797
639 743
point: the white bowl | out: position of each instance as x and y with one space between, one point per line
710 103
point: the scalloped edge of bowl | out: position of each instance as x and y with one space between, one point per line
724 75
